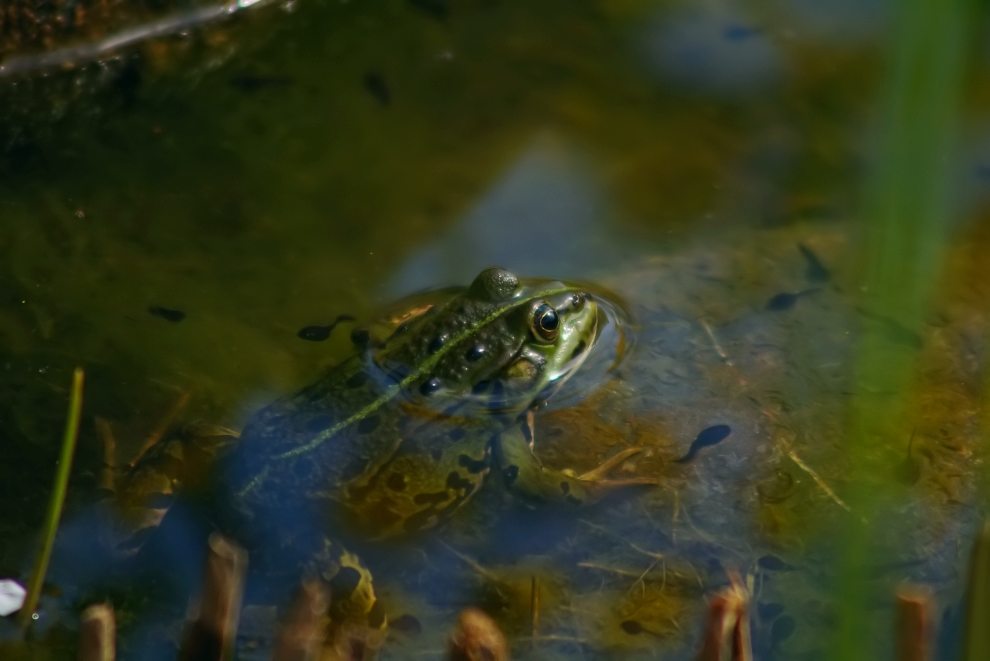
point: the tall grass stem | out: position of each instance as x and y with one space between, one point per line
56 502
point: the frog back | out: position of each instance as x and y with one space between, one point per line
353 449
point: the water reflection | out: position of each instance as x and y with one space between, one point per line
721 54
548 216
370 151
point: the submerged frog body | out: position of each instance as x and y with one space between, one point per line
395 439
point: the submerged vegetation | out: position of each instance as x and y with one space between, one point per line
794 215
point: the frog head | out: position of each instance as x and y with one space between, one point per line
502 345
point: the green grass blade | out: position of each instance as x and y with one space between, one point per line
976 634
906 221
56 502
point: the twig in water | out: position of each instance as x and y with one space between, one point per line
914 623
162 427
471 563
211 637
97 634
301 634
56 502
595 526
477 638
639 579
726 636
721 354
535 607
786 447
108 472
613 570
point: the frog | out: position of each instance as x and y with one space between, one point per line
441 394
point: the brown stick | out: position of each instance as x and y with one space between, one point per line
301 634
108 472
534 606
97 634
162 427
212 635
477 638
914 624
727 636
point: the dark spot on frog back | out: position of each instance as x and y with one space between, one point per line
319 423
396 482
473 466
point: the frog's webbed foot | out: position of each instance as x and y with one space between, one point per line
524 473
356 618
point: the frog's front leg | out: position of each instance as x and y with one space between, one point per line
525 474
357 621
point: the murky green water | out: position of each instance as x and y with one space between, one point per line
315 159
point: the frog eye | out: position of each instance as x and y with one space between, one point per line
546 323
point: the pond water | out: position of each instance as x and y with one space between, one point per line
175 211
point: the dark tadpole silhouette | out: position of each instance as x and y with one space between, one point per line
375 83
893 329
168 314
436 9
769 611
782 629
707 437
773 563
634 628
817 273
251 82
320 333
407 624
786 300
909 470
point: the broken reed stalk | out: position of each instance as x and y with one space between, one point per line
477 638
301 635
212 635
914 624
97 634
534 608
726 636
56 502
